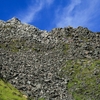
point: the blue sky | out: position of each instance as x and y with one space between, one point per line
49 14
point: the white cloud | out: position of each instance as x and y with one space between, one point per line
79 12
49 2
34 8
73 4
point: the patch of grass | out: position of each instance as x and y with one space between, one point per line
16 45
65 48
41 99
84 77
8 92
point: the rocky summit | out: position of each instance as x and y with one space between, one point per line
63 64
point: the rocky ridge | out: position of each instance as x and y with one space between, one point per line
31 59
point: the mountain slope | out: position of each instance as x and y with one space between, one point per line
62 64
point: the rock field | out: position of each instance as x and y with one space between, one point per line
32 59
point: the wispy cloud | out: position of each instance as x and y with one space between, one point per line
34 8
79 12
49 2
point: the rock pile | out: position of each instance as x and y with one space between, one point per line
31 59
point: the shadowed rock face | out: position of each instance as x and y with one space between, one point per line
32 59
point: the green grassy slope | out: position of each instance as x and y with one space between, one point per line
8 92
84 74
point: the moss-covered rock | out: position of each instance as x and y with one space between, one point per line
84 75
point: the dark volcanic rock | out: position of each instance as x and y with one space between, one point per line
31 59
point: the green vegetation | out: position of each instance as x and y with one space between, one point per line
41 99
65 48
16 45
84 74
8 92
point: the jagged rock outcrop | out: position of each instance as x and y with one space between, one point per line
31 59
